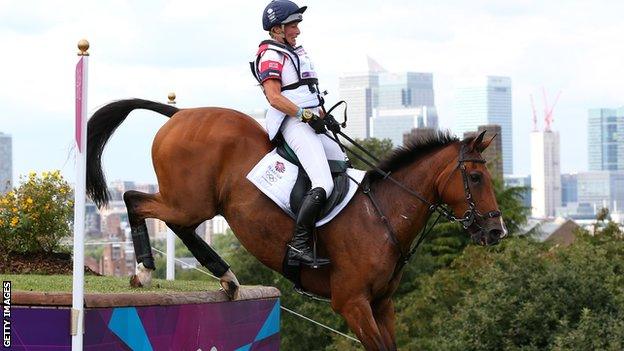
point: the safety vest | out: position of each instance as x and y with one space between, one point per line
303 93
306 88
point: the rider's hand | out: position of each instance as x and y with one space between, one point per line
331 123
314 121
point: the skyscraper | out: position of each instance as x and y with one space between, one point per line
408 89
394 123
487 101
605 142
545 173
360 93
6 163
601 189
569 188
383 90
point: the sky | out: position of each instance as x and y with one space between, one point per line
200 50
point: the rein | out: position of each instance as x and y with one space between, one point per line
468 219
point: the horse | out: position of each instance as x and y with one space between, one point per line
201 157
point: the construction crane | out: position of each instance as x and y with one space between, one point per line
534 114
548 112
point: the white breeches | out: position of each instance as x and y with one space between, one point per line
313 151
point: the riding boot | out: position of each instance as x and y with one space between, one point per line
310 208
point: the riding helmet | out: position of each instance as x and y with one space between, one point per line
281 12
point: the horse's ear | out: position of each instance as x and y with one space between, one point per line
484 145
476 142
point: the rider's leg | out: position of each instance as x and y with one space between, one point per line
332 149
309 149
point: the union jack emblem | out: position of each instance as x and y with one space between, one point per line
280 167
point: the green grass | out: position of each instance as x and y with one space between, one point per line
94 284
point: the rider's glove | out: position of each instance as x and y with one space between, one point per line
313 120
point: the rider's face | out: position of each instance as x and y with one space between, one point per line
291 32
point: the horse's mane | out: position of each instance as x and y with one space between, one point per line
413 149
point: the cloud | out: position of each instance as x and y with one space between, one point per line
200 50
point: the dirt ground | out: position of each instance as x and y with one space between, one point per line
38 263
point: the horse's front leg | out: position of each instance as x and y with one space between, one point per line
359 316
383 311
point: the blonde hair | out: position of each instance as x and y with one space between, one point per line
272 33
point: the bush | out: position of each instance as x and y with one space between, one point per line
521 295
35 216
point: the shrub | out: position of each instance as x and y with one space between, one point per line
36 215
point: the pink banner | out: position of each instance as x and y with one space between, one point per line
79 90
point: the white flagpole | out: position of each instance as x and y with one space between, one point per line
77 321
170 234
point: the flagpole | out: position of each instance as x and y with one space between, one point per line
170 234
77 312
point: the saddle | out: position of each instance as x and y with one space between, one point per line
303 185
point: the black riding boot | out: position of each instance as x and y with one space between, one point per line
310 207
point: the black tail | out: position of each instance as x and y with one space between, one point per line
101 126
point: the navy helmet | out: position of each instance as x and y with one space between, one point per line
281 12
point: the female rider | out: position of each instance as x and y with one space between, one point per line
290 85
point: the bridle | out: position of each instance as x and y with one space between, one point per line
471 217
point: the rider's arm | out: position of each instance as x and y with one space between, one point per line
273 92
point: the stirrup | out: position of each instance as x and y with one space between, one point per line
297 255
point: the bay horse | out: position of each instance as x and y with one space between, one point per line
201 157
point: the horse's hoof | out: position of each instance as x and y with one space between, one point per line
142 278
230 285
135 282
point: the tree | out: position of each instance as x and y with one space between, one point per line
36 215
378 148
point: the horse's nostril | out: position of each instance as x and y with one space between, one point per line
497 233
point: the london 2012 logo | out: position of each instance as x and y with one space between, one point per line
280 167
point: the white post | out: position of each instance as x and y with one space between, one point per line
170 235
77 315
170 255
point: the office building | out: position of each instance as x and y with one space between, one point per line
605 131
484 101
545 173
517 181
394 123
569 188
360 93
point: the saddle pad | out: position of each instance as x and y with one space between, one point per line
275 177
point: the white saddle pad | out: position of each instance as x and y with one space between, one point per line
275 177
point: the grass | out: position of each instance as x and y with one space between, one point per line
94 284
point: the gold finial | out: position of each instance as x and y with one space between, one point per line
83 46
171 97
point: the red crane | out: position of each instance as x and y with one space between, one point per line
534 114
548 112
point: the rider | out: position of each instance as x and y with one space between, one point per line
290 85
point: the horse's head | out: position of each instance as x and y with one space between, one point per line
466 186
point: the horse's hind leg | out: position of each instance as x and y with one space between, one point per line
135 203
208 258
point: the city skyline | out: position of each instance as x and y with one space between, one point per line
147 54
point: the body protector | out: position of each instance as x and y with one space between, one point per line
303 92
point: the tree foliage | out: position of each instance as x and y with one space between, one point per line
36 215
380 148
521 295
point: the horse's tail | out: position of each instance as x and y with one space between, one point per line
101 126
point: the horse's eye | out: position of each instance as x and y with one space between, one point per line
475 177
